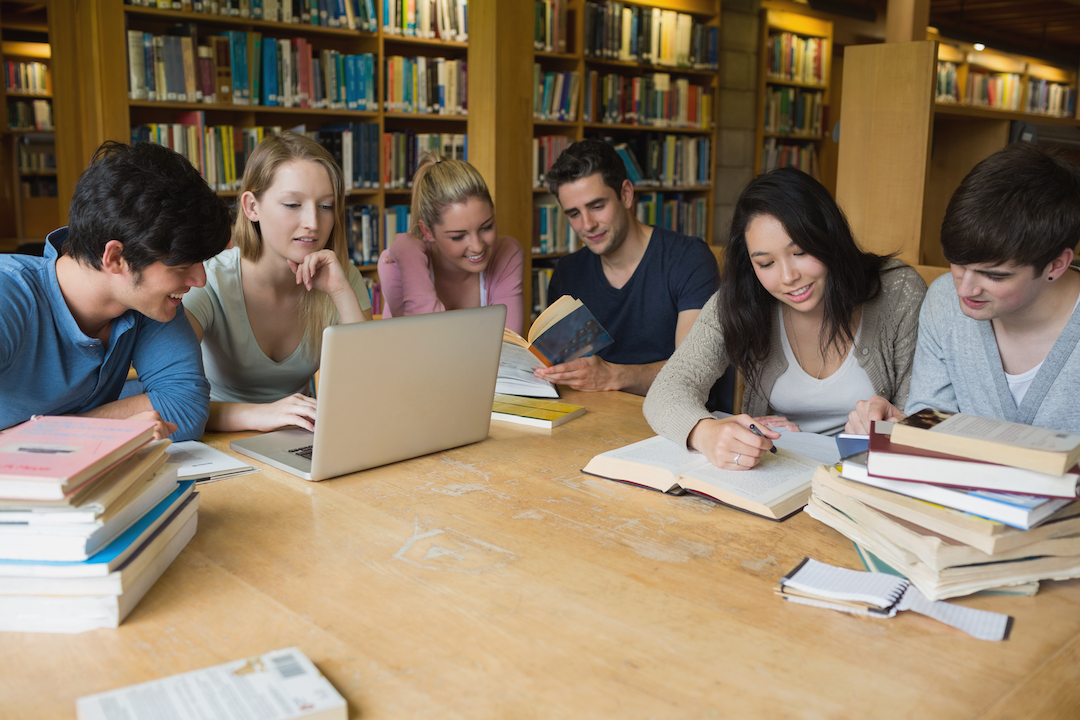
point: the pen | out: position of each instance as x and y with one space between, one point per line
753 428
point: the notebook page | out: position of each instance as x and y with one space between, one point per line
837 583
979 624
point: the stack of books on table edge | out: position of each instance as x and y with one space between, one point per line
950 524
91 515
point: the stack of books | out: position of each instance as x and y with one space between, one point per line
959 504
91 515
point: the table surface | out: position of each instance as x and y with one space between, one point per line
495 580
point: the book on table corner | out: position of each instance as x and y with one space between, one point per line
776 488
534 411
278 685
1053 452
565 331
50 457
199 462
1014 509
79 613
888 458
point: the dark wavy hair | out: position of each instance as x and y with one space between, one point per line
817 225
584 158
1021 204
153 201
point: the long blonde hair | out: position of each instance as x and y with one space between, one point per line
438 183
317 310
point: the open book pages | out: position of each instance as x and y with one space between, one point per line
202 463
516 365
777 487
823 448
278 685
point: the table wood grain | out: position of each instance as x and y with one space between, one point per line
497 581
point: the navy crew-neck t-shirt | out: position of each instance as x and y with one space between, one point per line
676 273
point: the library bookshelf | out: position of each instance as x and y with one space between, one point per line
903 152
30 207
379 109
795 54
598 73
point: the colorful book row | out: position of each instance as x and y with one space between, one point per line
541 279
27 77
654 99
777 153
1002 91
36 153
546 149
667 160
797 59
432 19
362 221
29 115
1050 98
242 68
948 88
793 111
551 26
555 94
353 14
402 151
218 152
551 230
616 31
426 85
673 211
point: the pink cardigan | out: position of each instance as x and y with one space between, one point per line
408 289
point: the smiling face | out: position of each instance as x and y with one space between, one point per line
156 292
989 291
465 235
296 213
599 215
792 276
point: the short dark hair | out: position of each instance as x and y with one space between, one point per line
584 158
815 223
1021 204
153 201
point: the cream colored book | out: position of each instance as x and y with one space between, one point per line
776 488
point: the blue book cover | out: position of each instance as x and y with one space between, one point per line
148 61
270 73
361 82
578 334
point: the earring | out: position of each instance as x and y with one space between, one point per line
1050 279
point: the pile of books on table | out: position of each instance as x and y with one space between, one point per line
91 515
959 504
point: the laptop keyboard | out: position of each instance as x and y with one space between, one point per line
304 452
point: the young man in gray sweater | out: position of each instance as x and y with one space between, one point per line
998 338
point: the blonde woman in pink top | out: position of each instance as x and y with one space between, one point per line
453 256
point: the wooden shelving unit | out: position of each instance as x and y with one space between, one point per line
29 207
903 153
795 54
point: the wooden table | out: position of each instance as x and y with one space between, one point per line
497 581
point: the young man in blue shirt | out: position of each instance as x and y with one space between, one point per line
645 284
998 338
107 294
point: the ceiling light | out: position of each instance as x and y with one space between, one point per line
979 46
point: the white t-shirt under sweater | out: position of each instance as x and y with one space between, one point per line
237 368
1019 383
819 406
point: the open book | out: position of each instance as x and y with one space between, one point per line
777 487
565 331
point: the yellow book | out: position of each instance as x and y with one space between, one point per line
533 411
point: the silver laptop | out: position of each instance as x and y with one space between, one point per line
391 390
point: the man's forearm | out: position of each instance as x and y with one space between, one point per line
123 408
638 379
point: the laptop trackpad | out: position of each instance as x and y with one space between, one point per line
290 448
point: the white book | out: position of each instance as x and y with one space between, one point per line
278 685
199 462
136 66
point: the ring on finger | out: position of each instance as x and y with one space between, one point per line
737 456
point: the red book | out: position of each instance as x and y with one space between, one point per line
887 459
50 457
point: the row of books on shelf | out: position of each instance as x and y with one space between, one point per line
27 77
245 68
36 152
362 234
402 151
617 31
354 14
426 85
654 160
546 149
29 115
552 233
674 211
446 20
35 187
218 152
779 153
654 100
795 58
1044 97
541 279
1002 91
555 94
793 110
85 533
551 26
955 504
947 88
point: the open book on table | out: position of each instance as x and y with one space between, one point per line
565 331
778 486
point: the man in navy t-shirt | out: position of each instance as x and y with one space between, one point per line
645 285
